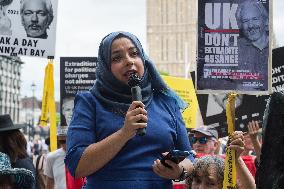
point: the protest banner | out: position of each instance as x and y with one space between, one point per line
233 46
48 109
185 89
28 27
76 74
248 107
278 69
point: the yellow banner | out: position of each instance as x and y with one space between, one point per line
230 161
52 111
48 104
45 99
185 89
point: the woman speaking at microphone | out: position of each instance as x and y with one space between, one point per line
103 144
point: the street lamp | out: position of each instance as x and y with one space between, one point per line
33 86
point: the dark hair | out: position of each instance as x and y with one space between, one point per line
47 141
14 144
7 180
62 141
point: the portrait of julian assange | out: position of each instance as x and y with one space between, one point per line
253 43
36 17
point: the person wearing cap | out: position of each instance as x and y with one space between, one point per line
209 169
204 140
12 178
14 144
54 165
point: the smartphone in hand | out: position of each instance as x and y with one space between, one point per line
176 156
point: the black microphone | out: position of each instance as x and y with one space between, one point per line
134 82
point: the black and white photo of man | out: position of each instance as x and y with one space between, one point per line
253 20
36 17
67 109
253 44
217 103
5 21
247 108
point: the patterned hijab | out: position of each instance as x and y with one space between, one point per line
23 178
116 95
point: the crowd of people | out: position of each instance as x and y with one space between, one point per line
205 141
207 169
31 165
101 147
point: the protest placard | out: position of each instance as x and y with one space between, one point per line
28 27
76 74
233 46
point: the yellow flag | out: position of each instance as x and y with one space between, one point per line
185 89
52 111
48 104
230 181
45 99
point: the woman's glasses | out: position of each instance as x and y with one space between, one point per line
201 140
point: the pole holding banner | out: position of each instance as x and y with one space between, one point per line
48 109
230 161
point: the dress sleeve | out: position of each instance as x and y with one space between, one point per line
182 137
81 131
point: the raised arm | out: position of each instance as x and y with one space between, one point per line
253 129
246 178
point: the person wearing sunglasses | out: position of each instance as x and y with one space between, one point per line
204 140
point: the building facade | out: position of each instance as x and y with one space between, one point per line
172 35
30 110
30 114
10 84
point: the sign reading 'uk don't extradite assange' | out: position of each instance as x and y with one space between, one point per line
233 46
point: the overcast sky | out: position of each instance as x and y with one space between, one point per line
82 25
